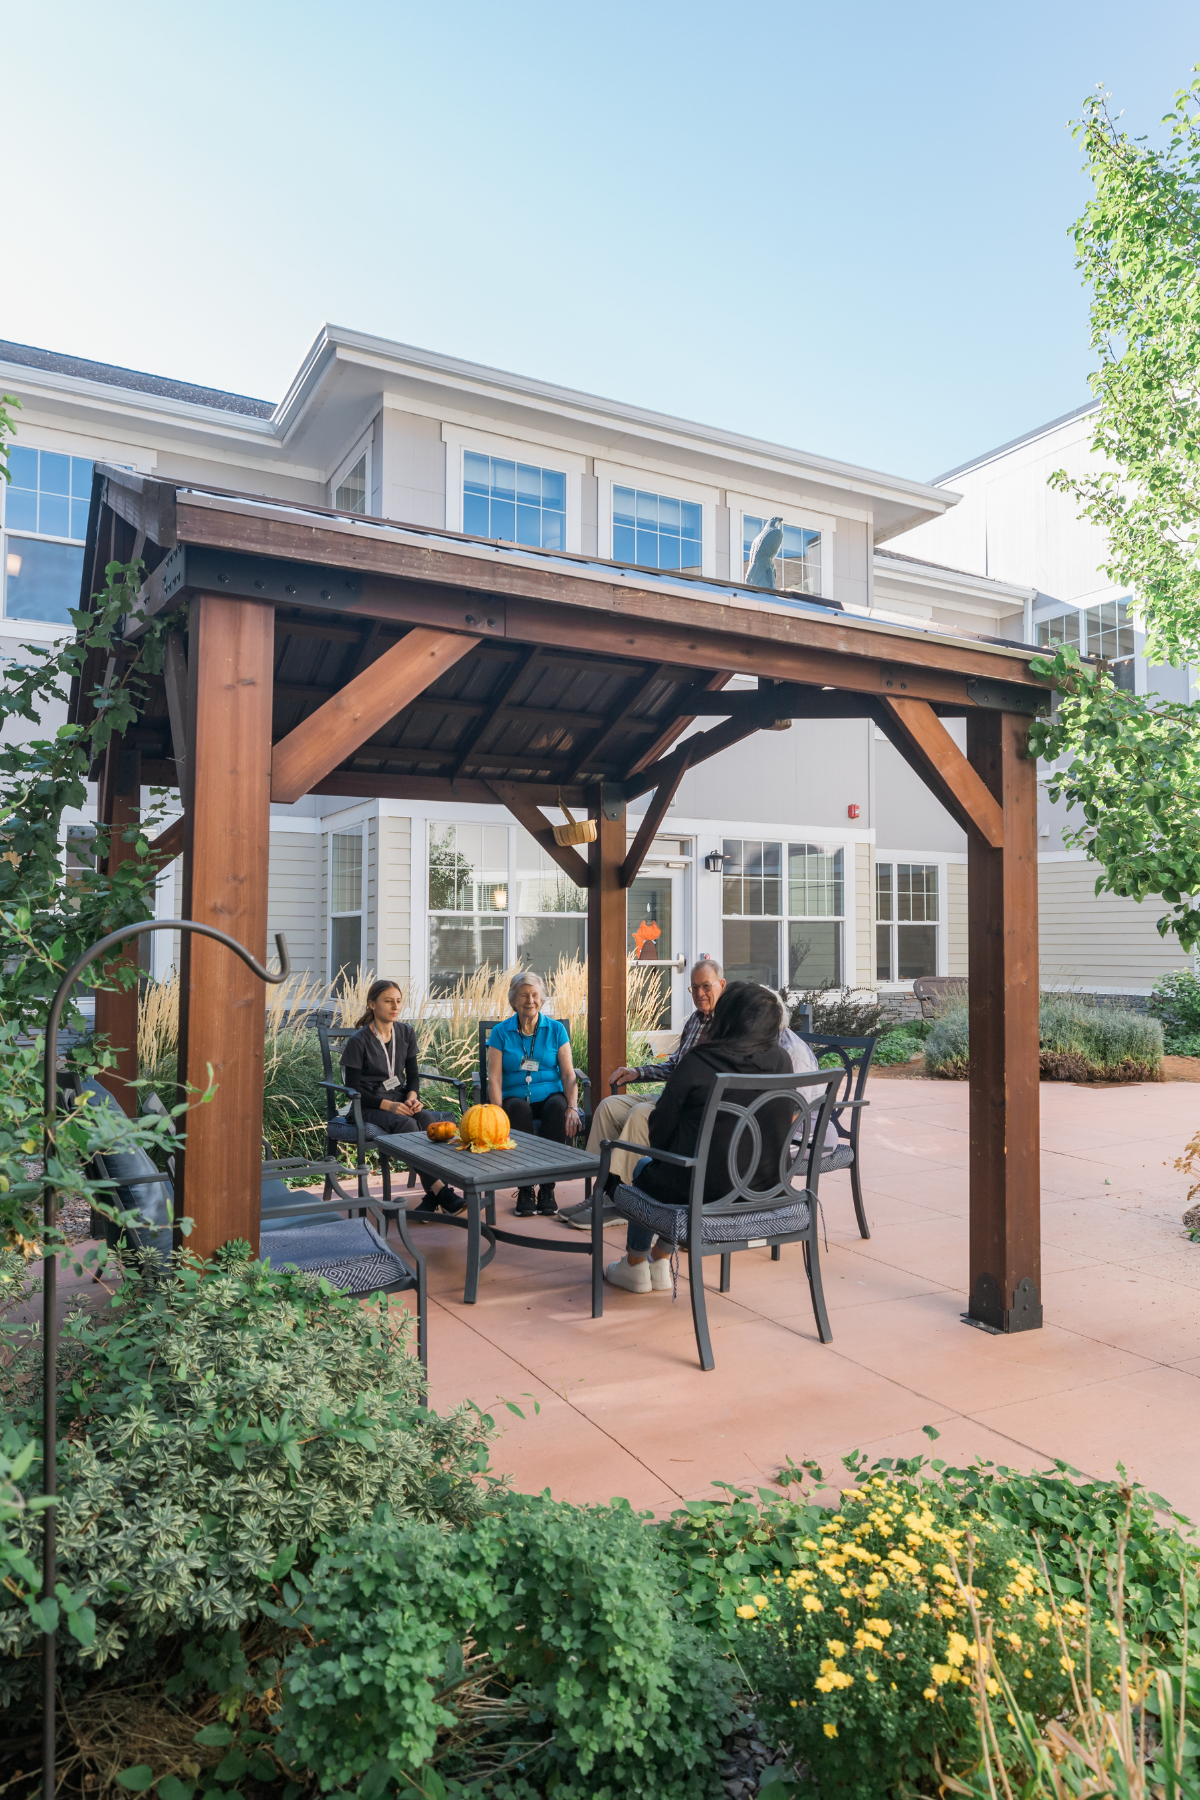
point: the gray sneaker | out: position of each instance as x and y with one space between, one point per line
581 1216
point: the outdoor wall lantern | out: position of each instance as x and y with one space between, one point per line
714 862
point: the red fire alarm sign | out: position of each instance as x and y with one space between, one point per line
852 812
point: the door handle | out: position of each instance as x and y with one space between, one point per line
678 963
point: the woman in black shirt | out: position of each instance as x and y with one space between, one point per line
742 1040
380 1063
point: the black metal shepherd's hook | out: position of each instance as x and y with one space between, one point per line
50 1284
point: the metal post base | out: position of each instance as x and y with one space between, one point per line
987 1312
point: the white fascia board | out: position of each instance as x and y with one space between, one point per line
960 603
336 342
131 402
929 575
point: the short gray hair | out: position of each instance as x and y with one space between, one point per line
708 962
525 978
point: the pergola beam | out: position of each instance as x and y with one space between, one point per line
362 707
529 814
654 815
945 769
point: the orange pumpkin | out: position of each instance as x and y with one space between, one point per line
485 1128
441 1131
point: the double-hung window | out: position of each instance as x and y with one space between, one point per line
906 915
495 896
657 532
520 503
45 524
816 913
350 495
345 905
783 921
1106 630
798 561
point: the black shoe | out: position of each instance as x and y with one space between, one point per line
526 1206
449 1201
547 1205
426 1208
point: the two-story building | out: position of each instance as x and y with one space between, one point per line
803 856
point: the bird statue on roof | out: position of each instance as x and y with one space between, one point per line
763 552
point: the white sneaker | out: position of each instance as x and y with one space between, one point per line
660 1274
633 1276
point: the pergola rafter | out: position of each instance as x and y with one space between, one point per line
333 655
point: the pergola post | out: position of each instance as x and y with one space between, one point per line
226 839
1002 888
117 1008
607 935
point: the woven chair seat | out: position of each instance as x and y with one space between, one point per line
841 1158
671 1222
347 1252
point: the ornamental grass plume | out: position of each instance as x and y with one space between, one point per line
1132 1750
864 1660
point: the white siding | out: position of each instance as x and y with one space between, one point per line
292 895
322 961
852 549
806 776
395 899
1098 941
864 915
413 468
370 892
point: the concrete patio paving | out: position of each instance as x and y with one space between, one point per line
625 1409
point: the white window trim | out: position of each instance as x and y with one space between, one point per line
610 475
459 438
758 508
929 859
347 463
355 828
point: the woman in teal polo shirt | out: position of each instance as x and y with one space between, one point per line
531 1075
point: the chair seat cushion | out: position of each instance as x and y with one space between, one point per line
841 1158
342 1131
347 1252
671 1222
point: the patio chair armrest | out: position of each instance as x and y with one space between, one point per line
666 1156
454 1081
339 1087
638 1080
844 1105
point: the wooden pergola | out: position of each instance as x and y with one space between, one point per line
322 653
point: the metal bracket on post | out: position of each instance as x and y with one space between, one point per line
612 800
987 1311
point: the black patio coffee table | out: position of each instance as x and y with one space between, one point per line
477 1175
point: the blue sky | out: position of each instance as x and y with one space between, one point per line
842 227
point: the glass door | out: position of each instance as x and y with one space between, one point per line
655 939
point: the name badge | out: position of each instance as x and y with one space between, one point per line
529 1066
392 1081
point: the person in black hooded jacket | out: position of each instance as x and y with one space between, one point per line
742 1040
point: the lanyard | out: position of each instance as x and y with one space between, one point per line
527 1055
389 1052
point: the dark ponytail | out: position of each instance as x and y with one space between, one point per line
373 992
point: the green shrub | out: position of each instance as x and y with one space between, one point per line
1176 1002
837 1012
1077 1043
573 1608
861 1655
216 1421
896 1047
1186 1045
947 1048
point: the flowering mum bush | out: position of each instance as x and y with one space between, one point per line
862 1653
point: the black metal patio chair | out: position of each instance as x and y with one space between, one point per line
744 1217
855 1055
297 1230
351 1128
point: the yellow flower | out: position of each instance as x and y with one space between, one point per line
760 1600
956 1648
1014 1640
931 1693
811 1603
747 1612
1065 1664
830 1731
871 1592
992 1685
1028 1674
871 1675
923 1608
882 1626
1042 1620
942 1572
1111 1628
834 1648
941 1674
